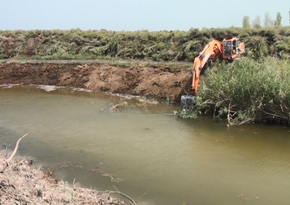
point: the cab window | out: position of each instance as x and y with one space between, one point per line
238 46
234 47
227 48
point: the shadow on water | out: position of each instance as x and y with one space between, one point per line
145 151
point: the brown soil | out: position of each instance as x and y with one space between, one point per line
22 183
151 81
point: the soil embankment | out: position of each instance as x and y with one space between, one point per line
22 183
158 81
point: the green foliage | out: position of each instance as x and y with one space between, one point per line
139 45
258 47
247 90
257 22
246 22
184 113
278 21
268 22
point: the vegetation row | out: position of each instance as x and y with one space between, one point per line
141 45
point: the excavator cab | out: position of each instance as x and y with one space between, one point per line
232 48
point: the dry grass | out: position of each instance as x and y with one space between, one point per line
22 183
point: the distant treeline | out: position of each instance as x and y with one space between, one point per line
140 45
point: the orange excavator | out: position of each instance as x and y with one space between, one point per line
229 49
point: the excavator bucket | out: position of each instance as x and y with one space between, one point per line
187 101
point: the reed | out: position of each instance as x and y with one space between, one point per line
247 91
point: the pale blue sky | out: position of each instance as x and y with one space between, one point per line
132 15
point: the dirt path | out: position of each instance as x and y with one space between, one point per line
150 79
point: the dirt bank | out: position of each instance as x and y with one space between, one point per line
22 183
159 81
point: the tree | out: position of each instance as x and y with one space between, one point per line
256 23
278 21
268 22
246 22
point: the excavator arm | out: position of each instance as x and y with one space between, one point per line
212 50
230 49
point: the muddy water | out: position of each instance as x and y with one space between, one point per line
145 151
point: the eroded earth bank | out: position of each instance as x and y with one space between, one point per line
159 81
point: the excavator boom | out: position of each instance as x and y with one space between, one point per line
211 51
229 49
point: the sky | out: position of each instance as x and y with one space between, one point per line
133 15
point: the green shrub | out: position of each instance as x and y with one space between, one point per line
247 90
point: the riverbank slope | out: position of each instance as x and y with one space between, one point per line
22 183
160 81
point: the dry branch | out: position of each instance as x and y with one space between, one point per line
16 148
125 195
4 165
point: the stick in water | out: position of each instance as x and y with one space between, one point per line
16 148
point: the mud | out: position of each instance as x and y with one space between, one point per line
157 82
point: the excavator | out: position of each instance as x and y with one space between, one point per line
229 49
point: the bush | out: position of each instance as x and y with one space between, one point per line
247 91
